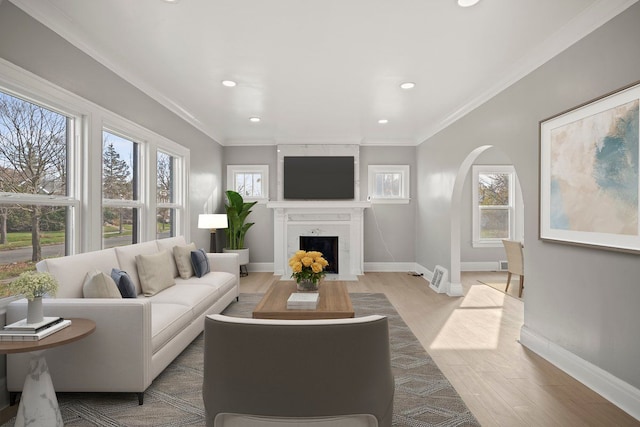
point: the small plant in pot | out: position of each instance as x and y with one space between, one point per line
237 211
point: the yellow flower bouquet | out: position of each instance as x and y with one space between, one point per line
308 268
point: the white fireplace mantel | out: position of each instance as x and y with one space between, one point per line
344 219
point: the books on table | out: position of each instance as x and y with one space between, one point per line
303 301
22 331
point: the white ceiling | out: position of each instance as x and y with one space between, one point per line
322 71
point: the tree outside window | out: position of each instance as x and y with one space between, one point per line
494 206
33 169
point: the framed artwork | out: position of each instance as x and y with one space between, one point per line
589 181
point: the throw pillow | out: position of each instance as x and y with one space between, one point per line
99 285
123 282
155 272
200 262
182 255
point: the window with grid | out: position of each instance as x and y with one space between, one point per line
251 181
121 203
38 208
493 201
389 183
168 194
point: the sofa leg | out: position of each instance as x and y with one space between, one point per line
140 398
238 298
13 397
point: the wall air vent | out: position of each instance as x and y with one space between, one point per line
504 265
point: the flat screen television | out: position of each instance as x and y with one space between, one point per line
318 177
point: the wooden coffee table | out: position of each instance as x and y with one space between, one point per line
334 303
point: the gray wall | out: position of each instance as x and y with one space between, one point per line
259 238
389 229
582 299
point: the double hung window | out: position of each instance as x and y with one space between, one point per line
494 207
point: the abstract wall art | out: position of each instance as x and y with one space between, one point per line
589 181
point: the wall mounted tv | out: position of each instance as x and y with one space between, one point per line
318 177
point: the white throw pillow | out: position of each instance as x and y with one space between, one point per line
99 285
155 272
182 255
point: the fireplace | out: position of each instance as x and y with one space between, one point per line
328 245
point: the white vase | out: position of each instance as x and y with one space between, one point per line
34 310
243 254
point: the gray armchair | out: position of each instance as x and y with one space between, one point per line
319 372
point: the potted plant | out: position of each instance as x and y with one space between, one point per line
237 211
33 285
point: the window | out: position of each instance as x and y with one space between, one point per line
389 183
493 201
120 200
168 195
37 207
251 181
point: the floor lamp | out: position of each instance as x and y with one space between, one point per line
213 222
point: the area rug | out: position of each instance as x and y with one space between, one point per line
423 396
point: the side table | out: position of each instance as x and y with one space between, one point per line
38 401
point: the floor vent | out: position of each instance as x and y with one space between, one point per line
504 265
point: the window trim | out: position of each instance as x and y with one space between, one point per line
477 241
232 170
405 184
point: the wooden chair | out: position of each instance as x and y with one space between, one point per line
515 259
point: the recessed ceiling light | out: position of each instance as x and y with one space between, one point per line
229 83
467 3
171 1
254 119
383 121
407 85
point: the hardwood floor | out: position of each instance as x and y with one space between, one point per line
474 341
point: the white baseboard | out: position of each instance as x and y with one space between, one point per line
618 392
389 266
480 266
260 267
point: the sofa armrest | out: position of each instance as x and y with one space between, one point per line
115 357
229 262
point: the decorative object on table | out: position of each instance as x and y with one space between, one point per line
303 301
212 222
237 211
589 173
308 269
33 286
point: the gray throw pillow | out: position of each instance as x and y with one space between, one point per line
200 262
99 285
124 283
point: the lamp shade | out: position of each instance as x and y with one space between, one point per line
212 221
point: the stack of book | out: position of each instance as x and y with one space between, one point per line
23 331
303 301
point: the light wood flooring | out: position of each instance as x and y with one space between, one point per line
474 341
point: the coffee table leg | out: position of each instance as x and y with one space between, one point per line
38 402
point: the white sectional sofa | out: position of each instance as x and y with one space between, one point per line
135 338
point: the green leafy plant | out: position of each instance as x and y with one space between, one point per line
32 284
237 212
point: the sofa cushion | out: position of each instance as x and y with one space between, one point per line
155 272
220 280
199 298
99 285
182 257
167 245
167 321
127 259
124 283
200 262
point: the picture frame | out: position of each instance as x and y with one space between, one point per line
588 171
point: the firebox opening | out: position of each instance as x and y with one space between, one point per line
328 245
